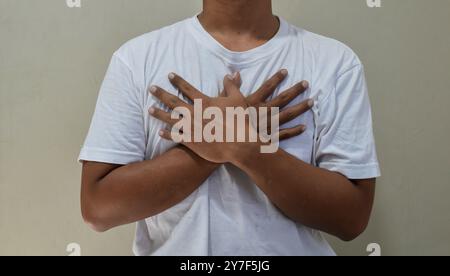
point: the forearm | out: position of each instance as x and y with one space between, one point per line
315 197
137 191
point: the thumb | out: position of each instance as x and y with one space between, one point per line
230 86
237 80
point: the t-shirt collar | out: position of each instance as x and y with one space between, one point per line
240 58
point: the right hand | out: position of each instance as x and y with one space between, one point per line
259 99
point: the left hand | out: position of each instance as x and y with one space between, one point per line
216 152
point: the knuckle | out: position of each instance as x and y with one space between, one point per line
290 114
173 100
285 97
184 86
281 78
297 89
278 77
253 100
287 135
156 112
267 86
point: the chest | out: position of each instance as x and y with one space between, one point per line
206 72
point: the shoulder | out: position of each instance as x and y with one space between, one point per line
137 50
326 57
333 67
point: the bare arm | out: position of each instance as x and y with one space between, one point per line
315 197
113 195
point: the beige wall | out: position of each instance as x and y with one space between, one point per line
53 59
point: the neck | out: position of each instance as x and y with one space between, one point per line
251 18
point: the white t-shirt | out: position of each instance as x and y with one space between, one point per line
229 214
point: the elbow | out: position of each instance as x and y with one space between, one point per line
353 230
94 219
351 234
355 223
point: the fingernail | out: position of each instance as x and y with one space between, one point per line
284 72
303 128
161 133
311 103
230 77
171 76
305 84
152 110
153 89
235 74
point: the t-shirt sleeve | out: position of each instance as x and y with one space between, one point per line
345 141
117 133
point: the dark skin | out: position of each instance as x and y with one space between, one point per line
317 198
239 25
107 202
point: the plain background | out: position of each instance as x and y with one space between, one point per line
53 59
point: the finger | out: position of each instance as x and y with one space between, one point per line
168 99
289 95
291 132
166 134
236 79
268 88
295 111
230 87
186 88
161 115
